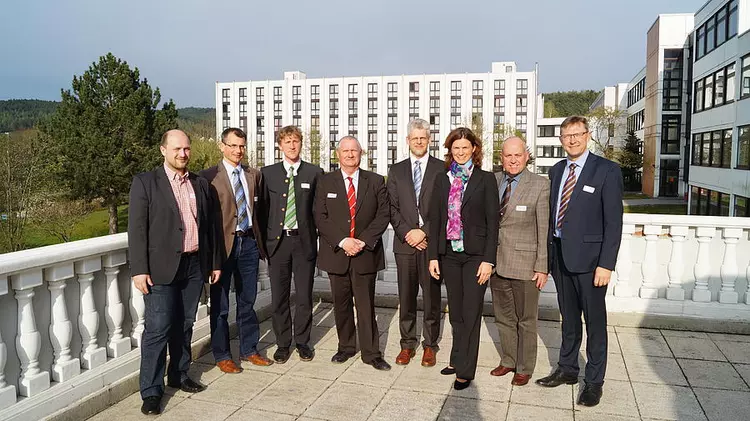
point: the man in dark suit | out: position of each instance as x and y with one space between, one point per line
410 185
291 241
585 231
172 250
236 190
351 211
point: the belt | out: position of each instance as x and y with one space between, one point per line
191 254
246 233
290 233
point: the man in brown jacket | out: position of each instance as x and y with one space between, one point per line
521 269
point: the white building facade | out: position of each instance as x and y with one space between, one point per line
377 109
719 172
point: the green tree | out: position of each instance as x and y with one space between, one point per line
205 153
311 146
106 130
631 161
605 124
565 104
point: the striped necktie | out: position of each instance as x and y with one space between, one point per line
417 179
506 196
239 198
290 219
352 198
570 183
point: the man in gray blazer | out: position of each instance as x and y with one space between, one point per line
410 186
521 269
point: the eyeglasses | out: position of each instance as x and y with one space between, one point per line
573 136
233 147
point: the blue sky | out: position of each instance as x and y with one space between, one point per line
184 46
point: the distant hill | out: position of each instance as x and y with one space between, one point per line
20 114
564 104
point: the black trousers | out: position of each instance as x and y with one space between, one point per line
168 323
361 287
576 293
465 301
413 273
289 259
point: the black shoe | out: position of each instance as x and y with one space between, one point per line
447 371
281 355
151 405
380 364
305 353
591 395
557 378
461 385
340 357
188 386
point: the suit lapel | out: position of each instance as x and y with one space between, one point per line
250 179
586 173
164 185
521 188
409 177
471 186
224 182
362 190
555 188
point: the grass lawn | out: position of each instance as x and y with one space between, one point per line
634 195
94 225
658 209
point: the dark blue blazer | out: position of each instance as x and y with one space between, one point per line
592 228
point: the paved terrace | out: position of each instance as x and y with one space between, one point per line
651 374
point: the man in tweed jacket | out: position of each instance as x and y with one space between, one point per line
521 269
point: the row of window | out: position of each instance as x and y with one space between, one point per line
672 79
637 92
714 203
713 149
714 90
550 152
635 121
716 30
670 134
548 131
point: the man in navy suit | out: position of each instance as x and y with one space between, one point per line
585 230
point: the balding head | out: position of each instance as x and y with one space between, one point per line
515 155
349 152
174 133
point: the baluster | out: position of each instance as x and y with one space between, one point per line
676 267
28 340
729 270
624 263
65 366
92 355
117 344
7 391
137 314
702 268
649 266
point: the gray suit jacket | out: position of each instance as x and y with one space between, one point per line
522 240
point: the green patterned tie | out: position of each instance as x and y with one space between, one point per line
290 219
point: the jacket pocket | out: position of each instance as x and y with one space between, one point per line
593 238
525 247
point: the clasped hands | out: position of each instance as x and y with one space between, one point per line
416 238
353 246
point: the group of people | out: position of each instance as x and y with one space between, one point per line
453 222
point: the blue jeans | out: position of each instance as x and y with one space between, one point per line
169 318
243 264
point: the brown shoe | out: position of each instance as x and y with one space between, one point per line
428 358
257 359
405 356
228 366
520 379
501 370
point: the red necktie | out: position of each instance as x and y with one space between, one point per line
352 198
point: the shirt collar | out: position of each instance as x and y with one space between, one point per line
581 161
422 161
515 177
229 167
288 165
355 176
174 176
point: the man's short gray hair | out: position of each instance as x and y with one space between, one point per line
359 145
417 124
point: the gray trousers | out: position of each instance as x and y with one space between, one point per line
516 303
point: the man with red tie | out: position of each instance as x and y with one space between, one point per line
585 230
351 213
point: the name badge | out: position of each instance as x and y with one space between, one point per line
255 198
332 195
521 208
305 185
588 189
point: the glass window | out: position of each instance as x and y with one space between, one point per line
723 204
721 26
700 39
743 147
703 202
698 96
713 206
706 149
745 87
694 199
670 134
741 206
696 152
716 140
732 20
710 35
708 96
719 88
726 149
730 83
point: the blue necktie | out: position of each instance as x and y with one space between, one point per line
239 197
417 179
